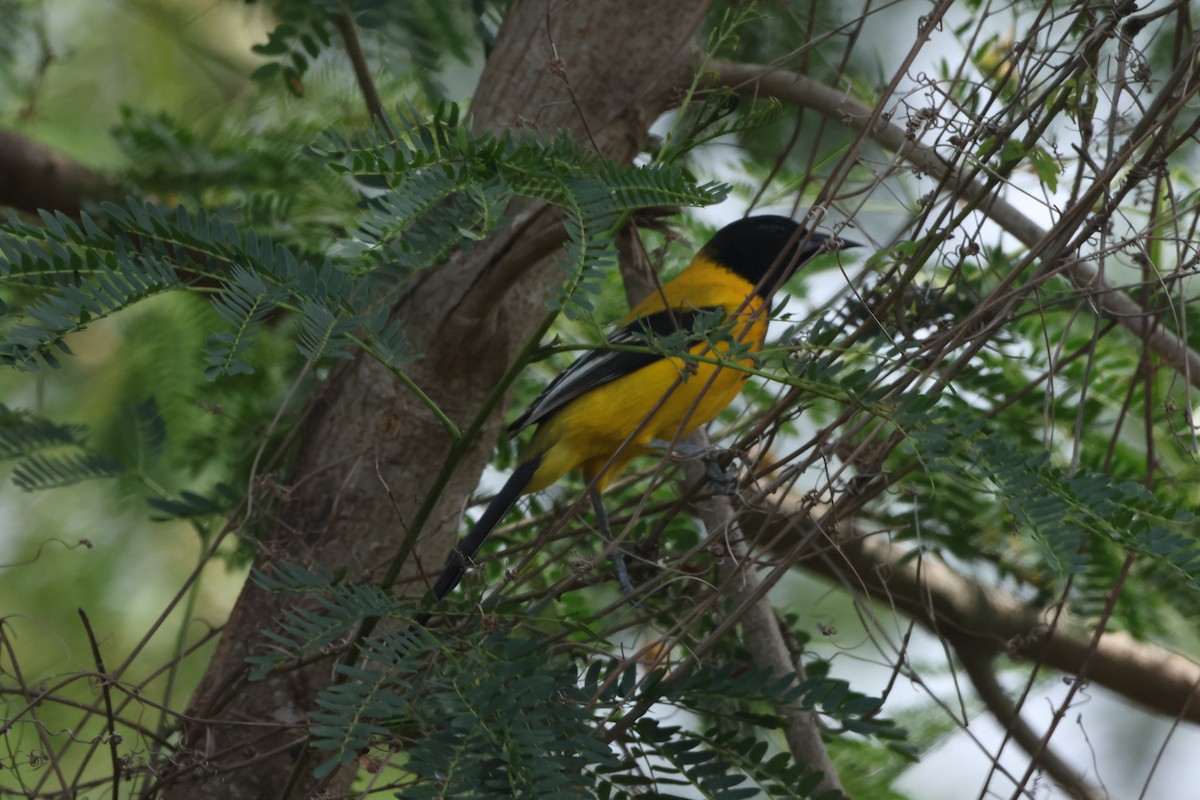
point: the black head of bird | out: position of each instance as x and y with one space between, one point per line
767 249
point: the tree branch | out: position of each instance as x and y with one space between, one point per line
755 79
362 70
961 609
760 630
34 176
978 663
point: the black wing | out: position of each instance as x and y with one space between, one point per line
598 367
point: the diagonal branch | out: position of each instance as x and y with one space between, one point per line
978 664
362 70
34 176
754 79
761 631
961 609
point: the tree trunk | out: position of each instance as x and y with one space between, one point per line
605 71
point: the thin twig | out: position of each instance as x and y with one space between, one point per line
1117 305
113 739
362 71
978 663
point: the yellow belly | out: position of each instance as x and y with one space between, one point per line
665 400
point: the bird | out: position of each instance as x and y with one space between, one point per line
614 404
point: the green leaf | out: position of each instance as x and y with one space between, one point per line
1046 167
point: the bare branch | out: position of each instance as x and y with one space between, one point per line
761 632
110 719
34 176
362 70
1117 305
978 663
962 609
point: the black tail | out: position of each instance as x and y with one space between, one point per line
456 564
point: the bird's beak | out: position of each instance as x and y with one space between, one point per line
824 243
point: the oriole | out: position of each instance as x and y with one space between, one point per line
610 406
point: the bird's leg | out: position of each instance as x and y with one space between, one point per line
618 556
722 476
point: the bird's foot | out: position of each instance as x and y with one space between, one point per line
718 462
620 570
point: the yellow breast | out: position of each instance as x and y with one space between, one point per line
602 430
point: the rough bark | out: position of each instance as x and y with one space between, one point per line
604 70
